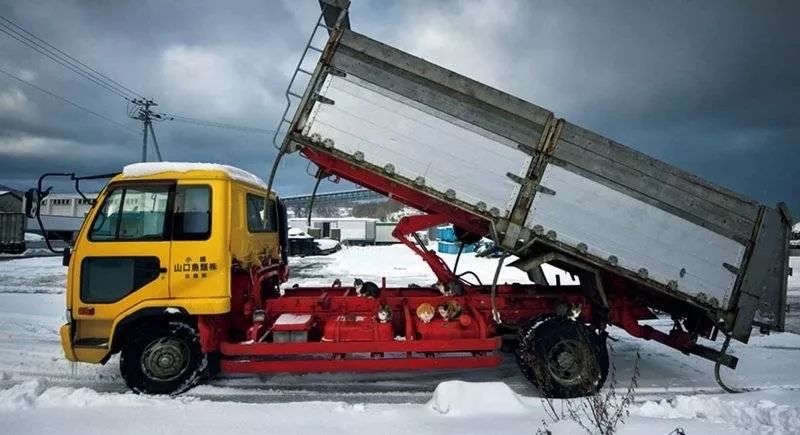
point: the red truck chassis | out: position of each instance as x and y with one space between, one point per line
407 348
340 332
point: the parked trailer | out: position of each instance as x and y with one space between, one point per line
383 233
543 189
12 233
352 230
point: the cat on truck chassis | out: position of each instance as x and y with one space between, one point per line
179 267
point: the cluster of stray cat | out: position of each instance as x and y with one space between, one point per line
449 310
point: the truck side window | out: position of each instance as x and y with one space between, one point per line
192 215
259 221
132 213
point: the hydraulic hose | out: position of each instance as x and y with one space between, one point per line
717 366
311 201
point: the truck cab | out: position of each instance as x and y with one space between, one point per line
161 246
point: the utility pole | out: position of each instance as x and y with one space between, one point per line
141 111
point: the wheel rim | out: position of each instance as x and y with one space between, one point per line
568 362
165 359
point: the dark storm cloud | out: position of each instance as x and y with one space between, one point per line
227 64
711 87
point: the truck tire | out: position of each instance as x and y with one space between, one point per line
163 358
562 358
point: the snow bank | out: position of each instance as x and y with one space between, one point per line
34 408
36 393
456 408
326 244
760 416
33 237
459 398
786 340
152 168
298 233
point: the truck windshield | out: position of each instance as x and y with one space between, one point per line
132 213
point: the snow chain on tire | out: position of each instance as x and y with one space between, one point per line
142 361
539 338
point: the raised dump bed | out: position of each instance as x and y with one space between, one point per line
544 189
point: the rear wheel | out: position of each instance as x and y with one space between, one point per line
162 359
562 358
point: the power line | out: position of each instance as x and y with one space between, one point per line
59 56
141 106
37 47
65 100
224 125
72 58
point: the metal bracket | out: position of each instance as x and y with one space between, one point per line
516 178
544 189
336 72
529 183
323 99
528 150
731 268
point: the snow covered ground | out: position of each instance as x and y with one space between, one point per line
42 393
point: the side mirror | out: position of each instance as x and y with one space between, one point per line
66 256
32 199
31 203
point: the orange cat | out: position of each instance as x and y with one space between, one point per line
425 312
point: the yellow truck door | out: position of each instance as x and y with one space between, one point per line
122 263
200 259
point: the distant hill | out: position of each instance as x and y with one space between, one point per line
387 211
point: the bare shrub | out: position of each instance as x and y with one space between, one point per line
600 413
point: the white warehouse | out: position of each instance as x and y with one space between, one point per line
66 204
348 230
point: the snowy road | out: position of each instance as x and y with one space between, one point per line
32 368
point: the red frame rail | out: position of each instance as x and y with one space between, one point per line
359 365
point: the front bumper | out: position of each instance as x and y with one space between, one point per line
66 342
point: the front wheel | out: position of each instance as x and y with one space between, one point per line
563 358
162 359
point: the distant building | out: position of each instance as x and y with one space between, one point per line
66 204
10 200
62 214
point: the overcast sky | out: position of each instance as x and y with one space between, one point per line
712 87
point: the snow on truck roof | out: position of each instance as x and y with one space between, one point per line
153 168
